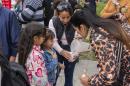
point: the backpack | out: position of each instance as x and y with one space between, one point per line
13 74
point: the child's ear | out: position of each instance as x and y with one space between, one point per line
81 27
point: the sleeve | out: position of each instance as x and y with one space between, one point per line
15 30
104 50
50 63
56 44
27 14
38 71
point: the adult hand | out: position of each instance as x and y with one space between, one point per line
66 54
12 59
84 80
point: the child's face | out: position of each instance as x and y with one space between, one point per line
38 40
49 43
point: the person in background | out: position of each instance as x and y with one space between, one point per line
30 54
117 10
9 33
32 10
50 57
111 45
7 4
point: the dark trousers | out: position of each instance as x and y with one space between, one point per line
69 68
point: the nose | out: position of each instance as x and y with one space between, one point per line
66 20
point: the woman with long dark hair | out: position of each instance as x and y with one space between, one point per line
111 45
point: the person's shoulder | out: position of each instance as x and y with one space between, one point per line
99 34
54 17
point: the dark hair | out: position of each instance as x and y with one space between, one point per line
85 16
26 40
49 35
64 6
55 3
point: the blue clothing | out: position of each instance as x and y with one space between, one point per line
9 32
51 64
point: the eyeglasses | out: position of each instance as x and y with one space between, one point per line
63 6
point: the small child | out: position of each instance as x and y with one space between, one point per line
51 60
30 54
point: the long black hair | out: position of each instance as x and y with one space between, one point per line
84 16
27 41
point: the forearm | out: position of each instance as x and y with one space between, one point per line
57 47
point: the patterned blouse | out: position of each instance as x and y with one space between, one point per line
105 48
35 68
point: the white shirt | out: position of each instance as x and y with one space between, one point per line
56 45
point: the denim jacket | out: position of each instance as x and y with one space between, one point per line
51 62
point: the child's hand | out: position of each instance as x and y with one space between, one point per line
62 66
84 80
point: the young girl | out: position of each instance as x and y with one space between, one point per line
50 57
30 54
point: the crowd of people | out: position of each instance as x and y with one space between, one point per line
38 35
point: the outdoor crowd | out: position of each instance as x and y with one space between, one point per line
35 39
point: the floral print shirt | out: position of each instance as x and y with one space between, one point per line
35 68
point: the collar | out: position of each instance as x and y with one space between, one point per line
37 48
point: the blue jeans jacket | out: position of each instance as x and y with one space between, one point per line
51 63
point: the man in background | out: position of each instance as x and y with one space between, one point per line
9 33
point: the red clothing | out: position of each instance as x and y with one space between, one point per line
6 3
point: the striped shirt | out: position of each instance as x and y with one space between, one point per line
32 10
